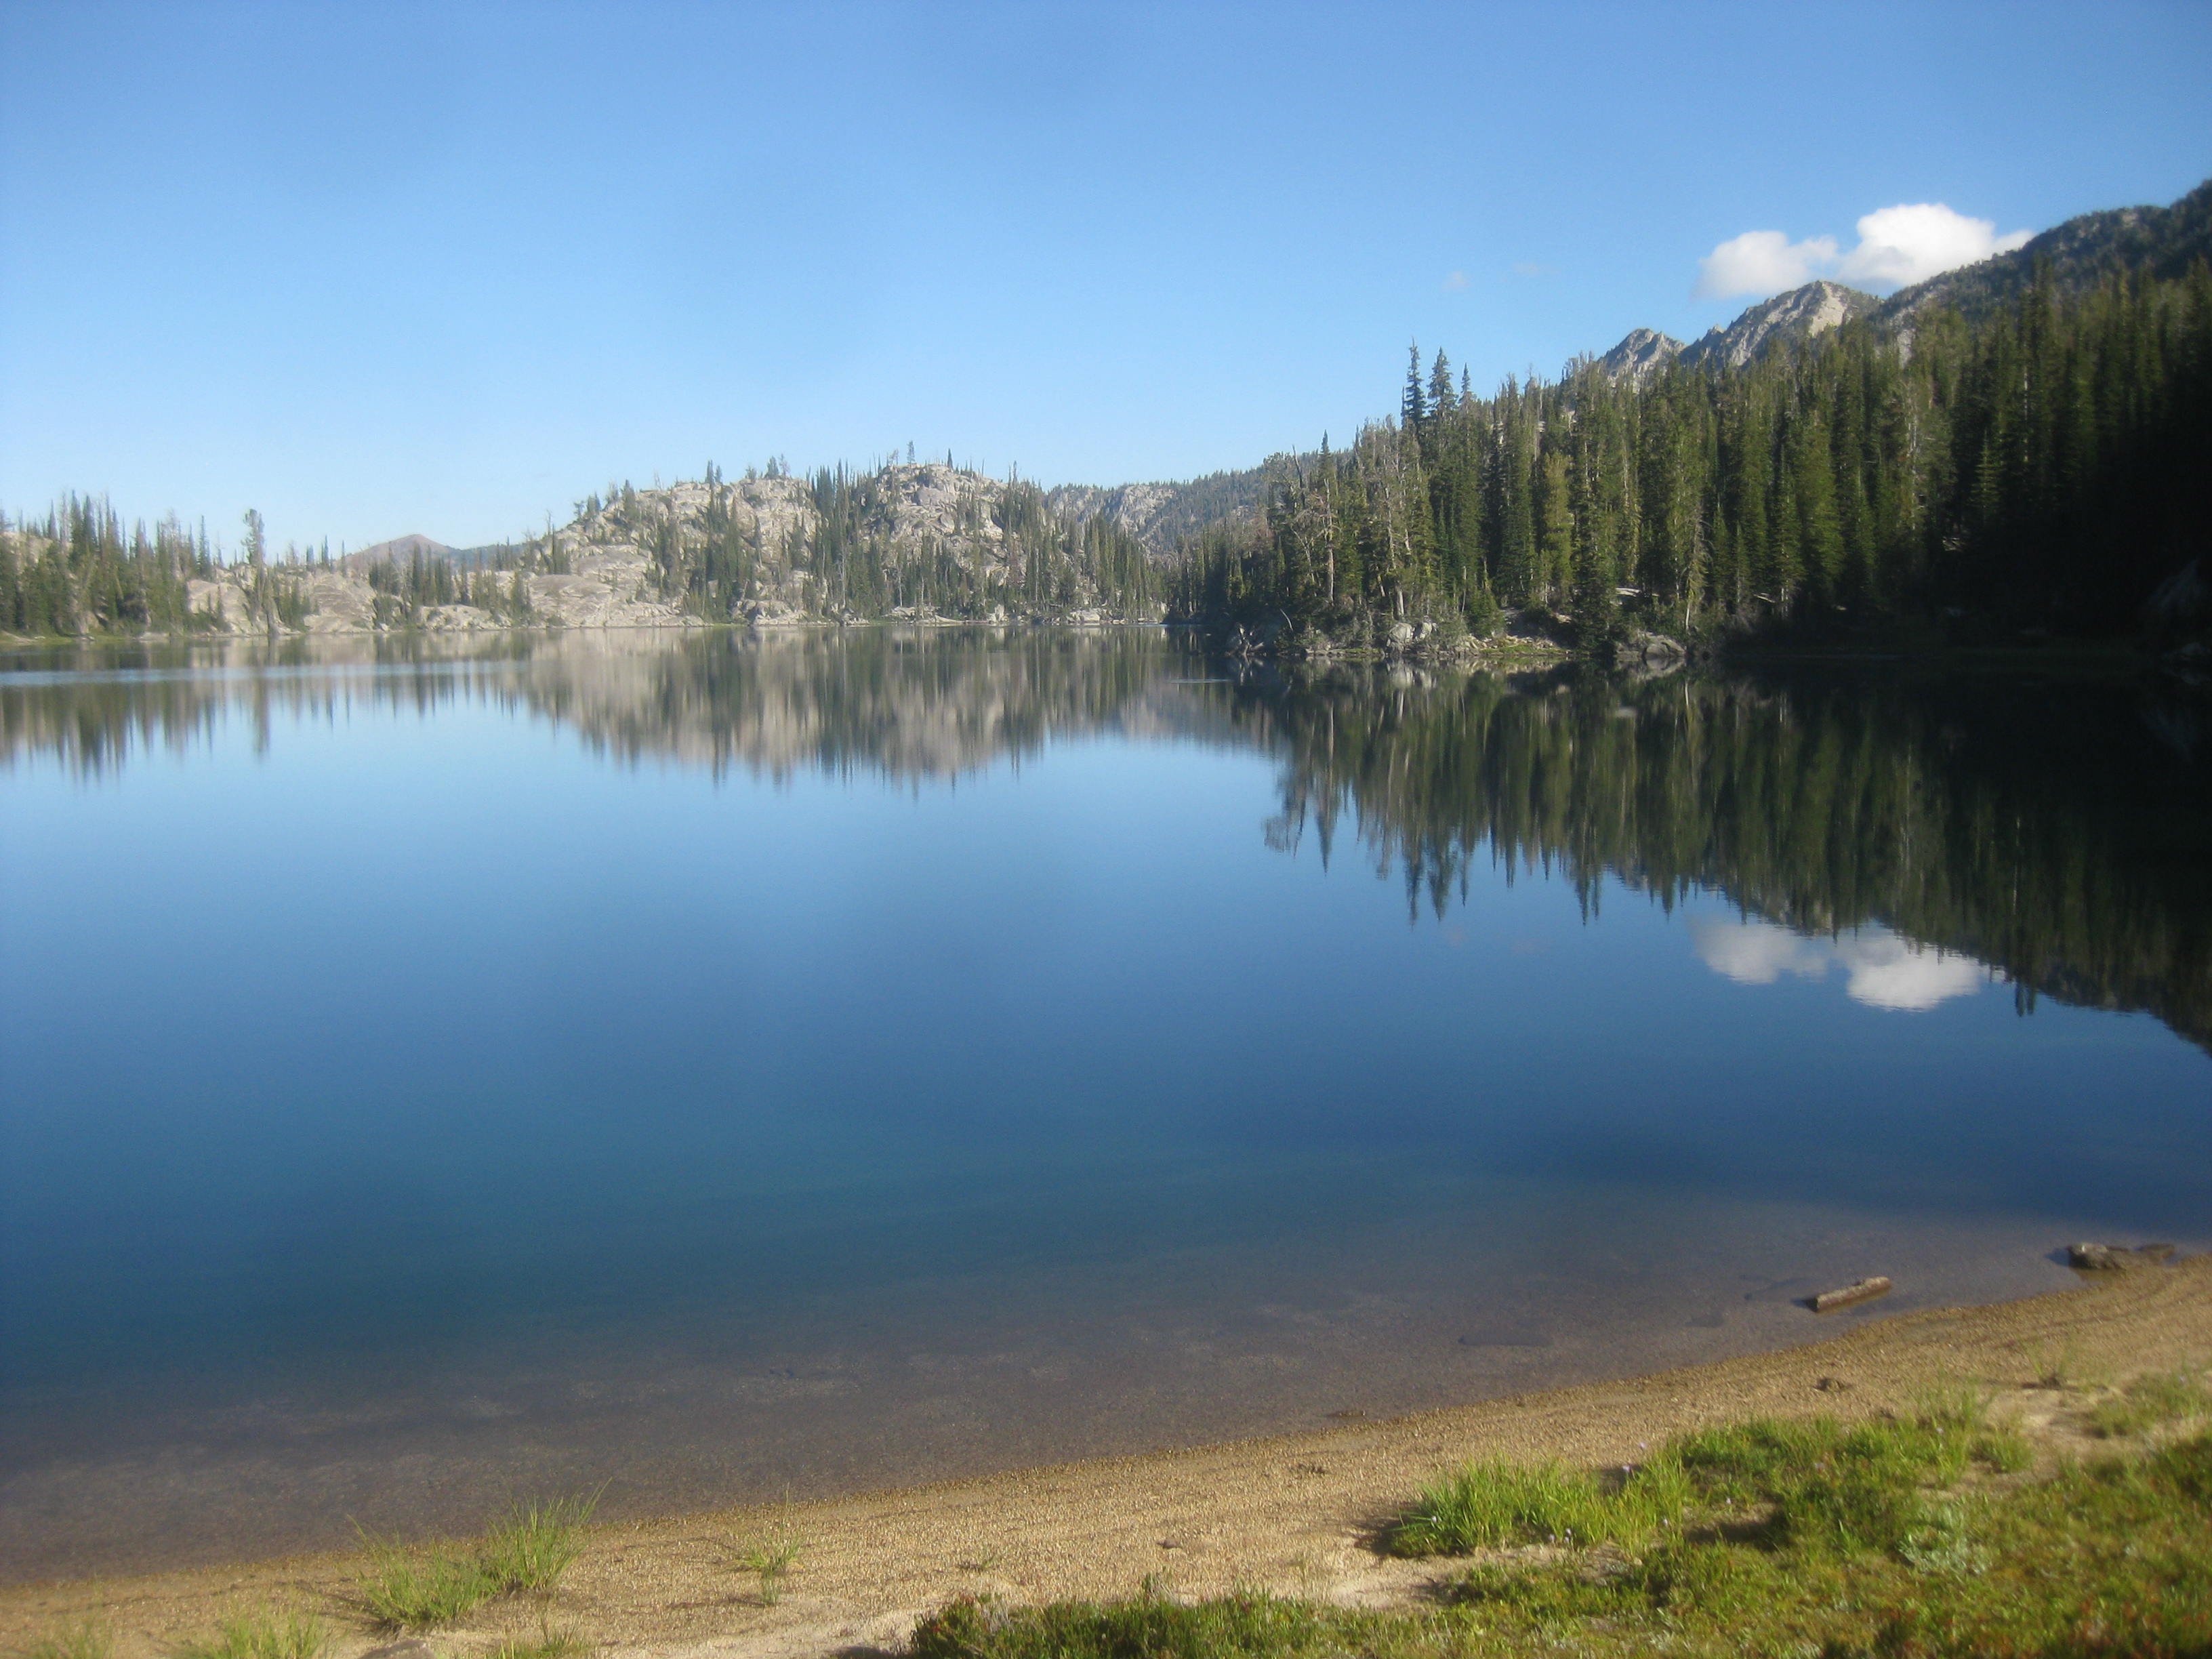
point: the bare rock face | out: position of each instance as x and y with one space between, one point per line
1641 353
1800 314
1159 514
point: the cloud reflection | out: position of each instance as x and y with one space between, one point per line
1881 969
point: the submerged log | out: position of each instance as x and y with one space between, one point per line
1864 1291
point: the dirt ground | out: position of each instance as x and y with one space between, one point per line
1295 1514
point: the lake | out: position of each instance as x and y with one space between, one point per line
724 1067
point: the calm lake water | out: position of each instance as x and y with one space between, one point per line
724 1067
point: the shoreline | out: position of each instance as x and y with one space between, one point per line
1295 1513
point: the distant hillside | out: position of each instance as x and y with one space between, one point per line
399 550
2062 500
2036 471
2149 241
1161 514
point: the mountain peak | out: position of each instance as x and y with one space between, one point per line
399 550
1800 314
1641 353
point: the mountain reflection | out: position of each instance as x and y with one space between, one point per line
1915 835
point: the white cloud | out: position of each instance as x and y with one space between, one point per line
1888 972
1897 246
1910 243
1762 262
1881 969
1455 281
1755 953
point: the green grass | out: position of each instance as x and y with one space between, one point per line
414 1590
525 1553
771 1558
554 1644
262 1632
2003 1448
1488 1504
2151 1402
1242 1627
89 1640
1876 1540
534 1543
548 1644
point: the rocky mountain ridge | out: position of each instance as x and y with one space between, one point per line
1803 313
767 550
2077 254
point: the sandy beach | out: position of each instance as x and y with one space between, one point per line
1295 1514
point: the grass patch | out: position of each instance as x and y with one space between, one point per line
262 1632
2003 1448
770 1558
414 1590
87 1640
534 1543
525 1552
1246 1626
1816 1484
1489 1503
1814 1539
2151 1402
549 1644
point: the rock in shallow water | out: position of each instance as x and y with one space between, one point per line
2112 1258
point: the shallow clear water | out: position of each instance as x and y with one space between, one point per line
722 1068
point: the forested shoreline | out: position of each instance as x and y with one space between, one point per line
2043 470
2012 451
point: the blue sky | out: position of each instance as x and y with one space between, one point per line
375 268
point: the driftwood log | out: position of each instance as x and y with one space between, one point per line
1864 1291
